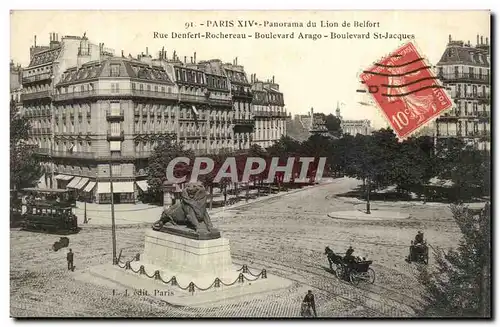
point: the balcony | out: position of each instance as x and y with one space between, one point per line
464 77
114 115
36 78
35 96
191 135
242 94
65 154
115 136
192 98
484 114
268 114
107 93
220 101
153 94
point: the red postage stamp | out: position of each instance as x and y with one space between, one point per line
406 90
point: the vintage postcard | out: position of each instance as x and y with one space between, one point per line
250 164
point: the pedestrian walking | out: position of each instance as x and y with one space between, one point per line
309 301
69 258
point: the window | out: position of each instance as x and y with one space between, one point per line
115 108
115 129
114 70
115 146
116 169
133 86
115 88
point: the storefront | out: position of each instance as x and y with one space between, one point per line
88 193
123 192
63 181
77 185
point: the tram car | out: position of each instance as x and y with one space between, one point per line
49 211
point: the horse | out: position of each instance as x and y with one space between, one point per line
333 259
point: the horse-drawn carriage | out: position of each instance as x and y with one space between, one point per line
419 252
354 270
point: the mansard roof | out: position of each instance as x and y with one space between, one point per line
128 68
458 53
45 57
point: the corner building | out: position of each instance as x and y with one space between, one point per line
94 113
465 71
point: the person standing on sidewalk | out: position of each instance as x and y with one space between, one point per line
69 258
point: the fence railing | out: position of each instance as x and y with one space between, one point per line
192 287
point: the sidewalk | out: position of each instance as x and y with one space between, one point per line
374 215
129 214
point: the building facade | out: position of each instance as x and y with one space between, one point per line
353 127
16 85
268 108
465 71
97 116
242 97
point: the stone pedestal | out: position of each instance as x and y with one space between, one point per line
188 256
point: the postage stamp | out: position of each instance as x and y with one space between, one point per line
406 90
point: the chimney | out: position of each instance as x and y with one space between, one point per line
481 40
468 43
57 37
449 38
486 41
35 41
273 79
477 43
191 59
123 55
236 61
146 51
185 59
195 57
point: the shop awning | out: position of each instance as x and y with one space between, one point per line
90 187
118 187
64 177
74 182
123 187
81 183
143 185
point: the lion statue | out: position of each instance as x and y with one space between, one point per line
190 211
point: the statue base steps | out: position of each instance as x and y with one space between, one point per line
200 262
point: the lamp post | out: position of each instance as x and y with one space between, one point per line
113 231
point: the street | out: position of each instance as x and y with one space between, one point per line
285 234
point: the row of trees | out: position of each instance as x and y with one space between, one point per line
25 169
379 160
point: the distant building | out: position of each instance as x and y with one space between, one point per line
268 109
16 84
465 71
354 127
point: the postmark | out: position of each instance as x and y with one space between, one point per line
406 90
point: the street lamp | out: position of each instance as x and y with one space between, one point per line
113 227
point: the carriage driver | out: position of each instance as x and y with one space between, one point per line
349 260
419 238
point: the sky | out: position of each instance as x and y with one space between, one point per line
311 73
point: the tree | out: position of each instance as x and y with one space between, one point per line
25 168
461 284
333 125
167 150
466 167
